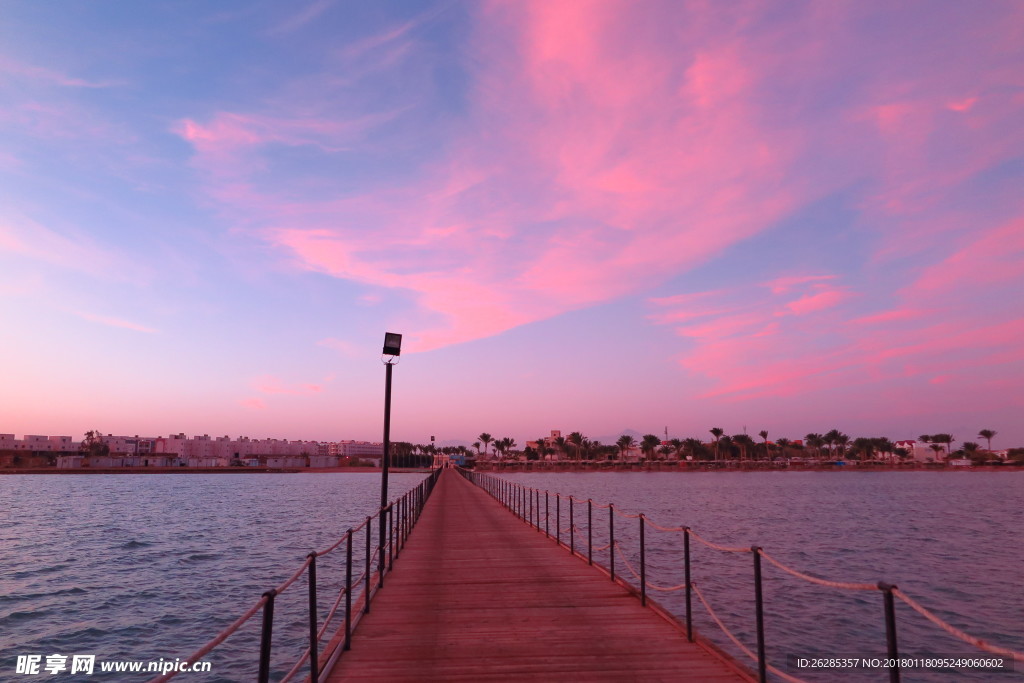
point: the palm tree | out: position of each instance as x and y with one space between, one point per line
815 441
476 445
562 445
830 438
764 435
717 432
943 438
485 438
648 445
937 448
743 442
841 440
864 446
987 434
576 439
783 445
677 447
625 442
508 444
883 445
695 447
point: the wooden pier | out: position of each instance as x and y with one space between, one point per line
478 595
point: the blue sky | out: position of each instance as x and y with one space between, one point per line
582 215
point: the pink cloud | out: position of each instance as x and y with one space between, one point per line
304 16
596 175
605 150
888 316
817 302
948 317
254 403
962 105
32 240
39 74
991 257
115 322
343 347
786 283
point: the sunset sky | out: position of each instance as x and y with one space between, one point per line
792 216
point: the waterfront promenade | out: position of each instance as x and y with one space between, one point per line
478 595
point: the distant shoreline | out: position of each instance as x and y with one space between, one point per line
509 468
207 470
708 466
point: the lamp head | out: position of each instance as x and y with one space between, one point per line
392 344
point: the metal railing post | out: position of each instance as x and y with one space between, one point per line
348 590
686 560
391 538
547 515
762 665
558 518
643 563
890 631
400 541
266 636
529 491
572 530
611 540
366 602
590 532
382 556
314 664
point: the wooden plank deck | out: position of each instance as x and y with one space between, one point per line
479 595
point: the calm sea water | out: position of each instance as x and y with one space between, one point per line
952 541
141 567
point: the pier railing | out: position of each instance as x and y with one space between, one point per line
376 561
543 510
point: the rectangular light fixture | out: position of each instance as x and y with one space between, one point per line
392 344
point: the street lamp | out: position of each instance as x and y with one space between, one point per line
392 349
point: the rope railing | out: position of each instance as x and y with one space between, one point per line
327 621
393 535
821 582
216 640
629 566
715 546
736 641
954 631
527 507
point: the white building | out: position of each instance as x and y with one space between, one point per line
38 444
362 450
921 451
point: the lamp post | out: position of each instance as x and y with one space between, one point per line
392 349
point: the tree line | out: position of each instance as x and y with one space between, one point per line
830 445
